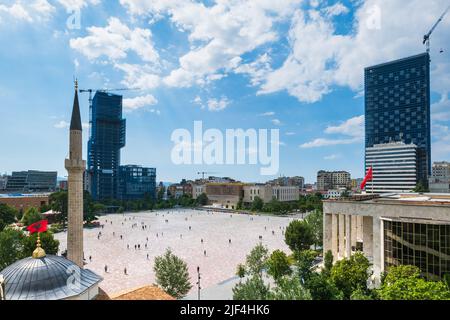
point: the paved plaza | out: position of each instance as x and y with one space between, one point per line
182 231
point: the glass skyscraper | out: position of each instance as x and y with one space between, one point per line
106 140
397 107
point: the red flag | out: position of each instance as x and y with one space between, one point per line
369 177
40 226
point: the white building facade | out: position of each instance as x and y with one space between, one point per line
394 167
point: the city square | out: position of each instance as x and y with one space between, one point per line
215 228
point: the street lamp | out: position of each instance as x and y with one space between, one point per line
198 282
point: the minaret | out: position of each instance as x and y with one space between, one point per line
75 166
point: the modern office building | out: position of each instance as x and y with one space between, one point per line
391 230
106 140
439 181
136 182
397 107
333 180
3 182
394 167
32 181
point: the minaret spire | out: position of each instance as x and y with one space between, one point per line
75 166
75 122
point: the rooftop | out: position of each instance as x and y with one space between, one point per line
422 199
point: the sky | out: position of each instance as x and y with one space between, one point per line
292 65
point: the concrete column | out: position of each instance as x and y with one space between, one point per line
368 236
341 224
377 247
334 235
354 230
348 236
327 232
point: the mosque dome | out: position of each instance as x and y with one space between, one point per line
48 278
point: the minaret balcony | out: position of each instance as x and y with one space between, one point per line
75 164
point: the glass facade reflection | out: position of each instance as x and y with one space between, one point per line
424 245
397 106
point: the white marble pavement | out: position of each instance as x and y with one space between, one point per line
215 229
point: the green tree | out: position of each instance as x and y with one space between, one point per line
321 288
240 272
48 243
11 247
327 263
290 288
202 199
278 265
257 204
59 203
256 261
349 275
315 220
31 216
405 283
305 263
299 235
420 188
8 215
253 288
172 274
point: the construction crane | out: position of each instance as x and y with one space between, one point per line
90 100
426 38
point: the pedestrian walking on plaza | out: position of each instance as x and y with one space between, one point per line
135 247
147 256
128 246
145 246
90 258
202 240
125 271
204 252
120 237
139 246
190 228
229 241
147 239
106 268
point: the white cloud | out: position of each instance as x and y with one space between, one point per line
352 128
28 11
267 114
336 10
139 76
322 57
332 157
218 104
328 142
77 4
276 122
441 142
219 34
132 104
114 41
61 125
441 110
16 11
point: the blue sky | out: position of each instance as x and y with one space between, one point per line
292 65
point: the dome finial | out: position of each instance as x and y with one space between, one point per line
38 253
76 84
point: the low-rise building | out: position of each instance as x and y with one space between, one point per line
136 182
327 180
391 230
439 182
24 201
32 181
225 195
263 191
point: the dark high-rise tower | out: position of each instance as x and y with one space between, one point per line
397 107
107 138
